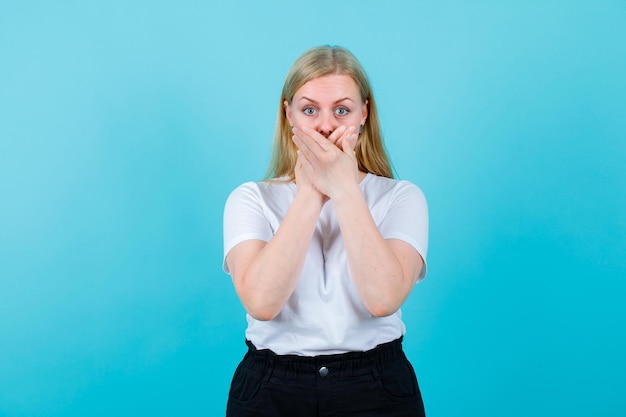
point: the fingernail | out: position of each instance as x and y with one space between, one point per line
341 129
351 128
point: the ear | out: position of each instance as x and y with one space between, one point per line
287 112
364 112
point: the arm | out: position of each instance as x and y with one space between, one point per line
383 271
265 274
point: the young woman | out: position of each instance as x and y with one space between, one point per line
322 255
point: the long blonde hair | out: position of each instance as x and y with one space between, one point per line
317 62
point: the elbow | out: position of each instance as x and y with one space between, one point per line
385 303
262 313
259 308
258 304
382 309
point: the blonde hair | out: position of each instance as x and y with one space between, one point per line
314 63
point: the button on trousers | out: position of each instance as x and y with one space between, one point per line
380 382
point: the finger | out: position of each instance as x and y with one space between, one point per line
349 143
335 137
348 132
321 141
301 140
304 165
304 141
307 147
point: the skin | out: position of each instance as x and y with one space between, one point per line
325 114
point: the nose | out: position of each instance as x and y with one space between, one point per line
326 124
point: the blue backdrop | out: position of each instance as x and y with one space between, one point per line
125 124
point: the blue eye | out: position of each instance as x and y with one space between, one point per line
309 111
342 111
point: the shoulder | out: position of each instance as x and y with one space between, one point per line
394 188
262 191
244 192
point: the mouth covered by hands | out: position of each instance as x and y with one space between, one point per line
328 164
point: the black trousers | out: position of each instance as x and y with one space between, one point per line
380 382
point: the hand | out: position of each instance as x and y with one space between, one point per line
303 179
330 163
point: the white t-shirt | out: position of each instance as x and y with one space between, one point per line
325 314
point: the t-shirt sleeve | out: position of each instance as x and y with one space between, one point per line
407 219
244 218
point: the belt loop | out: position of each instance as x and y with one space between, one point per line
374 364
269 367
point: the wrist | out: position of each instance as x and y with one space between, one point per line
312 195
347 192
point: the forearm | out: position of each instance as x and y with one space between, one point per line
272 274
376 271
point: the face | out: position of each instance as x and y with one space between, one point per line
326 103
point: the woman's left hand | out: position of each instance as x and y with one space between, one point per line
331 162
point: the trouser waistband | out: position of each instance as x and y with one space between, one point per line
339 365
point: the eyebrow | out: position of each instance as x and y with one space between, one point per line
315 102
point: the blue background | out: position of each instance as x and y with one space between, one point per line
125 124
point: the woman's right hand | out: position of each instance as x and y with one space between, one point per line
303 179
330 162
304 171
